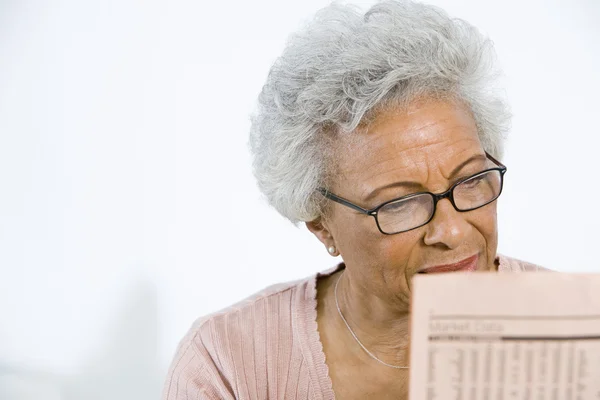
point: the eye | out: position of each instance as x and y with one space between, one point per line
399 206
474 182
410 205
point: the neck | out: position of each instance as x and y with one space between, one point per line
382 329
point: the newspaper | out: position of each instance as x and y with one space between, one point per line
482 336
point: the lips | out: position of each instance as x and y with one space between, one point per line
466 265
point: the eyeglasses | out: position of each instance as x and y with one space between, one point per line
415 210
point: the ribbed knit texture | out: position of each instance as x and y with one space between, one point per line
265 347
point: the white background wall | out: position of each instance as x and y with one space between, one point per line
127 205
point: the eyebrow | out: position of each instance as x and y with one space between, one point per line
415 185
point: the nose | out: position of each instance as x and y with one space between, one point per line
448 228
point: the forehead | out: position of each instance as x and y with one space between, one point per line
411 144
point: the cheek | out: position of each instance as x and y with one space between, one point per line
399 258
397 250
356 236
486 221
486 224
363 246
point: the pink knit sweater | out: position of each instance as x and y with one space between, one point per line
265 347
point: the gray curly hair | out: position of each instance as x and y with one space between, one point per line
344 67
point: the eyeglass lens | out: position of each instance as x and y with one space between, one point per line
415 211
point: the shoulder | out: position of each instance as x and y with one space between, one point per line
509 264
280 304
254 310
224 347
247 319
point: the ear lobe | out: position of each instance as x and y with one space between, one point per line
320 231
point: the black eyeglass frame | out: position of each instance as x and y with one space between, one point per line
448 194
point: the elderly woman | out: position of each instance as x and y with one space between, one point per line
383 133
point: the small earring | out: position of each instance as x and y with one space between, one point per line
331 250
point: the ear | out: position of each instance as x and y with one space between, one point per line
319 228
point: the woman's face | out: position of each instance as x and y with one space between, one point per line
427 147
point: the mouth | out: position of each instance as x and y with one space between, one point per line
466 265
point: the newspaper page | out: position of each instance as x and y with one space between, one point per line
483 336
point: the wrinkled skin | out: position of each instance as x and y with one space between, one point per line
425 147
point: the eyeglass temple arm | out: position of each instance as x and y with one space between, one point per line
498 163
343 201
